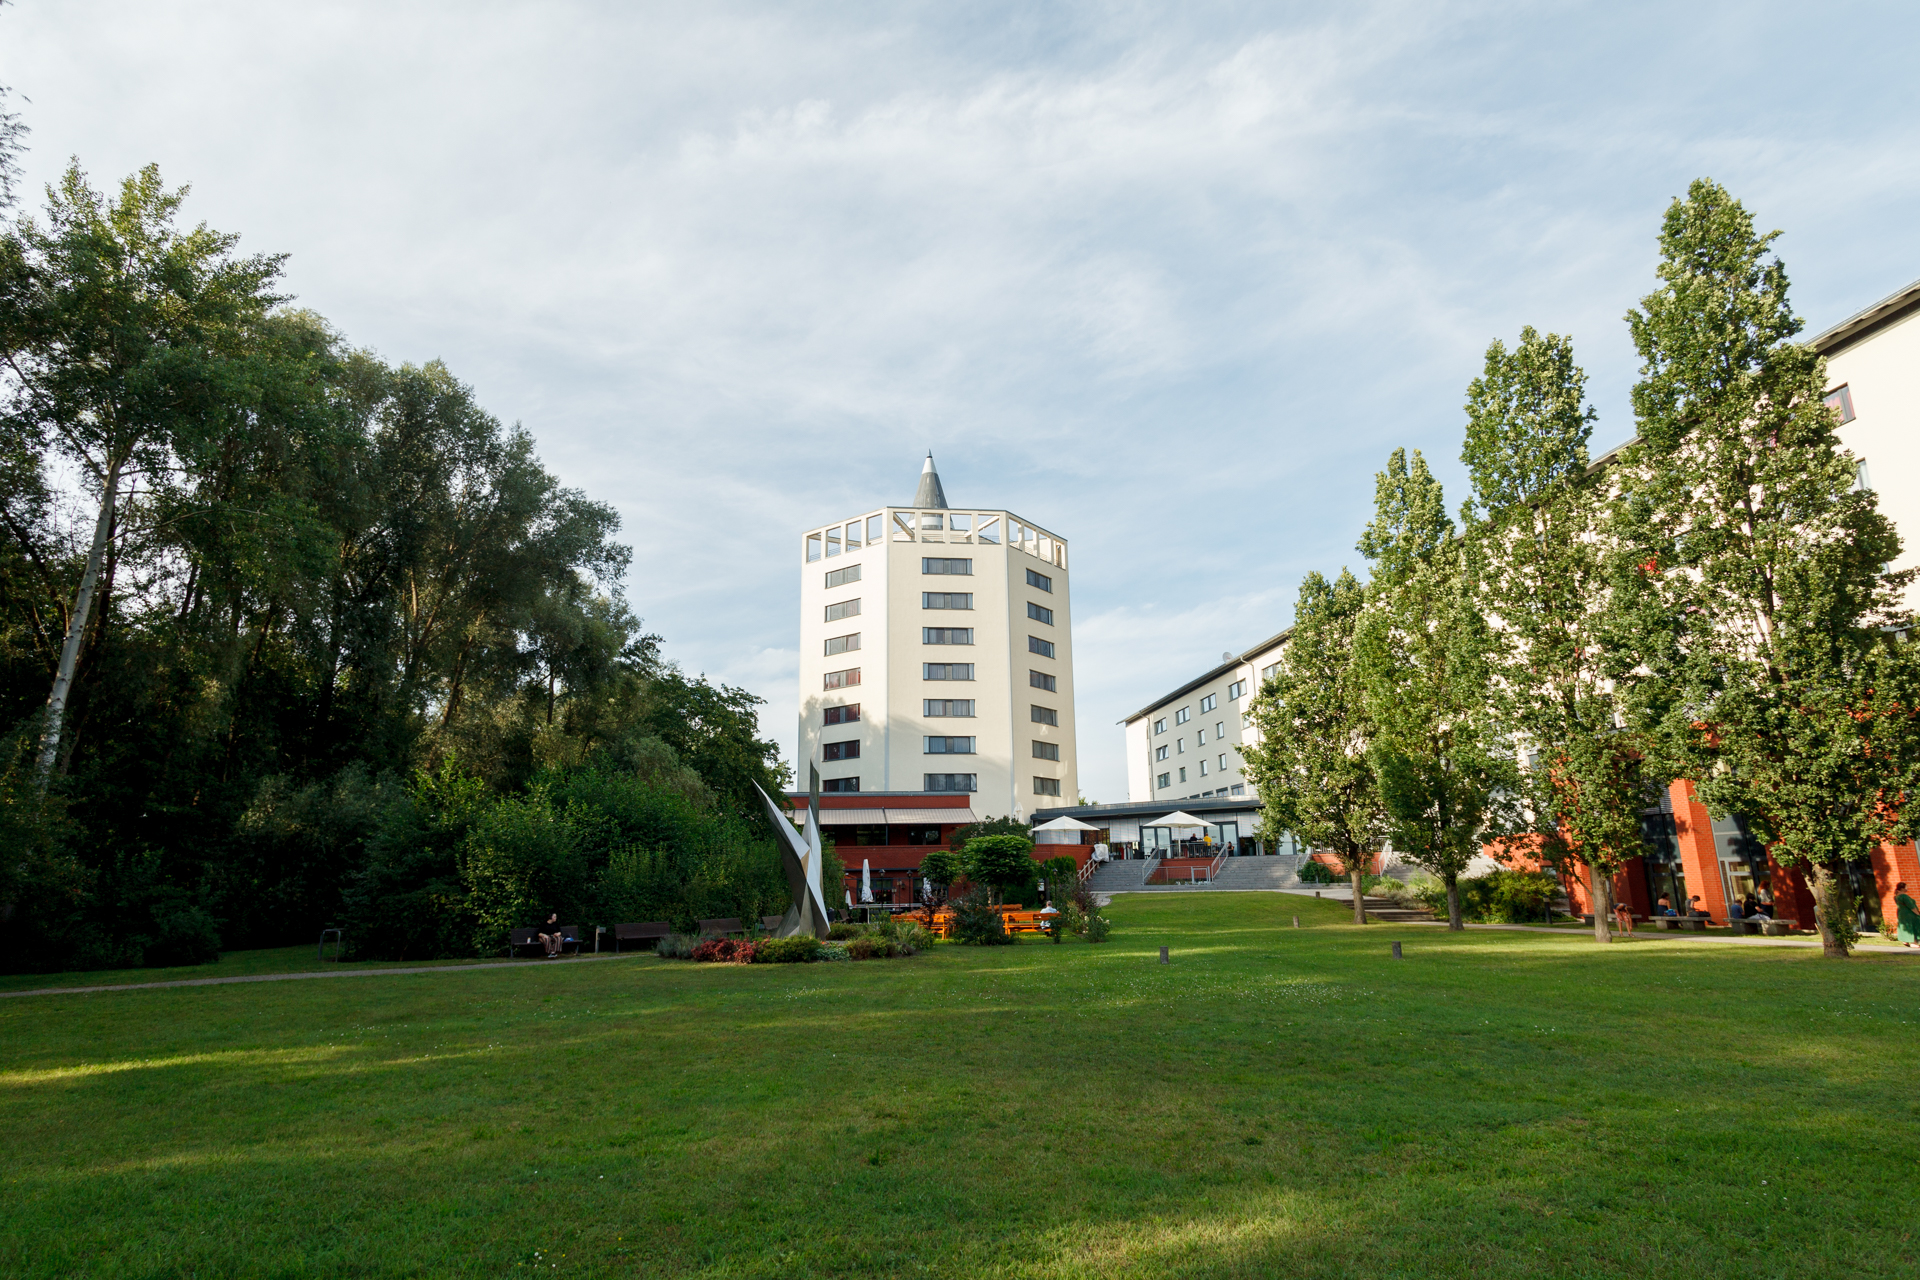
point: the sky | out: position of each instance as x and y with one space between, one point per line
1170 280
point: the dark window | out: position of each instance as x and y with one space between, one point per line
840 751
841 577
1041 680
1045 715
1042 647
1840 400
1039 613
949 746
1183 715
1209 702
1159 726
1046 786
845 609
1235 689
1166 780
946 670
848 714
946 635
843 644
946 600
1039 580
950 782
935 564
922 835
839 784
949 706
1046 751
841 679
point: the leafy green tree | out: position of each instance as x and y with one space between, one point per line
1752 555
940 868
1539 527
989 826
999 862
1311 764
1421 649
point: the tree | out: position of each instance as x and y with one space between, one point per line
1782 689
989 826
999 862
1311 765
1539 526
12 135
1421 650
940 868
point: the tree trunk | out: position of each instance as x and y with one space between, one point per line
1602 903
1827 899
76 629
1453 901
1357 872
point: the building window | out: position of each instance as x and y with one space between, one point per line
950 782
833 541
813 547
1160 726
1046 786
1209 702
849 714
949 746
1039 580
948 706
946 600
1183 715
1179 746
1239 788
1041 680
1042 647
1165 780
842 644
841 577
1269 672
1219 729
841 679
946 671
1045 715
1203 768
1046 751
1200 738
840 751
1160 752
1183 775
1236 690
839 784
1223 762
946 635
1840 400
845 609
935 564
1039 613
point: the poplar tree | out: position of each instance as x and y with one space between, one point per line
1539 525
1748 530
1311 766
1421 650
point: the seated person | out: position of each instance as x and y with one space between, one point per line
1694 908
1664 908
1751 907
550 935
1733 910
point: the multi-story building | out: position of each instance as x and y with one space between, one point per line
1186 745
936 655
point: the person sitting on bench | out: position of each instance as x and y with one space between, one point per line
551 941
1664 908
1754 910
1694 908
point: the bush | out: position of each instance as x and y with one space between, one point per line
870 946
725 950
1073 920
1098 927
841 930
1312 872
976 922
677 946
834 951
909 937
1499 897
801 949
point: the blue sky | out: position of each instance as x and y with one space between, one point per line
1172 280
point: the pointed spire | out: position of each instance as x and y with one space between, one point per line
930 496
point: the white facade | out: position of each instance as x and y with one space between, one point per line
947 632
1187 745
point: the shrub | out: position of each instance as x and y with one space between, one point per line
801 949
834 951
677 946
909 937
1083 898
1098 927
976 922
841 930
870 946
725 950
1500 897
1312 872
1073 920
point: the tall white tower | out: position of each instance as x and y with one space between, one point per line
936 654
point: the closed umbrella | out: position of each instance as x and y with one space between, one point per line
866 881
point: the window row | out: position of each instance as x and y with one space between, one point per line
1046 751
946 565
1039 613
1046 786
1209 702
831 541
1044 715
839 784
955 707
951 782
946 600
845 609
843 644
1042 647
849 714
949 746
1041 680
841 679
841 577
946 635
840 750
946 671
1235 690
1039 580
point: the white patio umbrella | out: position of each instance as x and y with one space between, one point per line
866 881
1178 818
1066 824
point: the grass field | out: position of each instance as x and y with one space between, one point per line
1274 1102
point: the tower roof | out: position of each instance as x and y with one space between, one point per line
930 496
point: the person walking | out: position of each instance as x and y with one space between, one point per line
1907 923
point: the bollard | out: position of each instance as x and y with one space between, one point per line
1163 955
1296 922
1396 952
1316 893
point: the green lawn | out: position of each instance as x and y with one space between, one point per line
1276 1102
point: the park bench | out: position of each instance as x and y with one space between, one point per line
1025 921
721 927
518 938
650 931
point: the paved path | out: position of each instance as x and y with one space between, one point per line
291 977
1662 935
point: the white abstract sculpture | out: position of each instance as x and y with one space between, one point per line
800 858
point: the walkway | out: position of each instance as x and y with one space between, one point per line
292 977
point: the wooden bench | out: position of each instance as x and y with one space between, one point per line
721 927
650 931
1025 921
518 938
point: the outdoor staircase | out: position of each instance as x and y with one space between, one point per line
1387 911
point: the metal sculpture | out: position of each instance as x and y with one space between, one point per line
800 858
